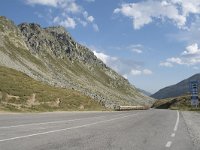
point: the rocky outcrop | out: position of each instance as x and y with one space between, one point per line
51 55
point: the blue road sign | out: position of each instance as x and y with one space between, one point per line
194 86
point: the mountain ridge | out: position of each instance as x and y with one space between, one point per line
52 56
179 89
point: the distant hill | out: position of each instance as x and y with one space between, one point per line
179 89
50 55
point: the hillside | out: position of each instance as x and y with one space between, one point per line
176 90
19 92
52 56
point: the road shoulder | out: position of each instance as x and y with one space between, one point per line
192 120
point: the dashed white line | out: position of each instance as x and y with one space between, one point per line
177 122
51 122
64 129
169 143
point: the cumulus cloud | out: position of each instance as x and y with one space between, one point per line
166 64
192 50
68 13
71 7
87 17
53 3
67 23
137 48
126 68
145 12
136 72
105 58
190 57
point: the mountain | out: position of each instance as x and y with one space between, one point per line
144 92
179 89
50 55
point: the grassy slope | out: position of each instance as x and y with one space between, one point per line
20 87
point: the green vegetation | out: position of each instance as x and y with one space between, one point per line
176 103
19 92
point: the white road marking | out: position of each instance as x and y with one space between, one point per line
64 129
51 122
169 143
173 135
177 122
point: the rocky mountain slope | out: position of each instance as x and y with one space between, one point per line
52 56
179 89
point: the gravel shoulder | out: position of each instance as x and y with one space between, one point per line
192 120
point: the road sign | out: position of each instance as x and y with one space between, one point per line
194 86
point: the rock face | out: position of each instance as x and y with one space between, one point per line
52 56
176 90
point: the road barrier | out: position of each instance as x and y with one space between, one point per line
123 108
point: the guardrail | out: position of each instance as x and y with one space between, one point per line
124 108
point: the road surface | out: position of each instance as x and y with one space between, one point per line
131 130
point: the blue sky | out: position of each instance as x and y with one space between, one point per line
152 43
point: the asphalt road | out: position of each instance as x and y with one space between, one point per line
133 130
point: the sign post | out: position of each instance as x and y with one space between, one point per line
194 86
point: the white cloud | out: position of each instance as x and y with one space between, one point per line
145 12
125 67
90 18
71 6
69 13
105 58
67 23
189 57
137 48
136 72
175 60
192 50
53 3
188 6
147 72
166 64
82 22
66 5
125 76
